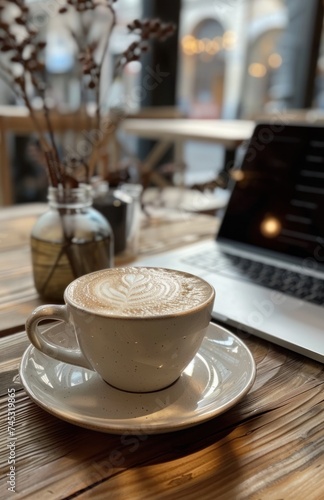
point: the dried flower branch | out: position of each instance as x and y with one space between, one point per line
24 69
146 30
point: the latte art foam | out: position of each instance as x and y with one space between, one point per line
136 291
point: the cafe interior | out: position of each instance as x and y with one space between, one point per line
177 134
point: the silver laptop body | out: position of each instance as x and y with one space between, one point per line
267 263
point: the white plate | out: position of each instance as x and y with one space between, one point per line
221 373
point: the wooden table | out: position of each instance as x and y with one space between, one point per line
229 133
269 446
167 133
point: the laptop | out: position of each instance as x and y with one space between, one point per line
267 261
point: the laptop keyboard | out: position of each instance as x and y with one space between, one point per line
282 280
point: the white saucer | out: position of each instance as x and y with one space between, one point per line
222 372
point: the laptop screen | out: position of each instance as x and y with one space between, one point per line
277 202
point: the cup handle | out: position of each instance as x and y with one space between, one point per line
59 313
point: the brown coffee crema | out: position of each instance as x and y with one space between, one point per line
138 291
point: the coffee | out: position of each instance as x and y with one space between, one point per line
136 291
137 327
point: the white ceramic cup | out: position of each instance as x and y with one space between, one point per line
137 327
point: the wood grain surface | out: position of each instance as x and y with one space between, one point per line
269 446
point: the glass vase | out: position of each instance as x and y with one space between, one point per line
69 240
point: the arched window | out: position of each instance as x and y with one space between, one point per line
263 60
205 48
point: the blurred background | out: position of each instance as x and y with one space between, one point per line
230 59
